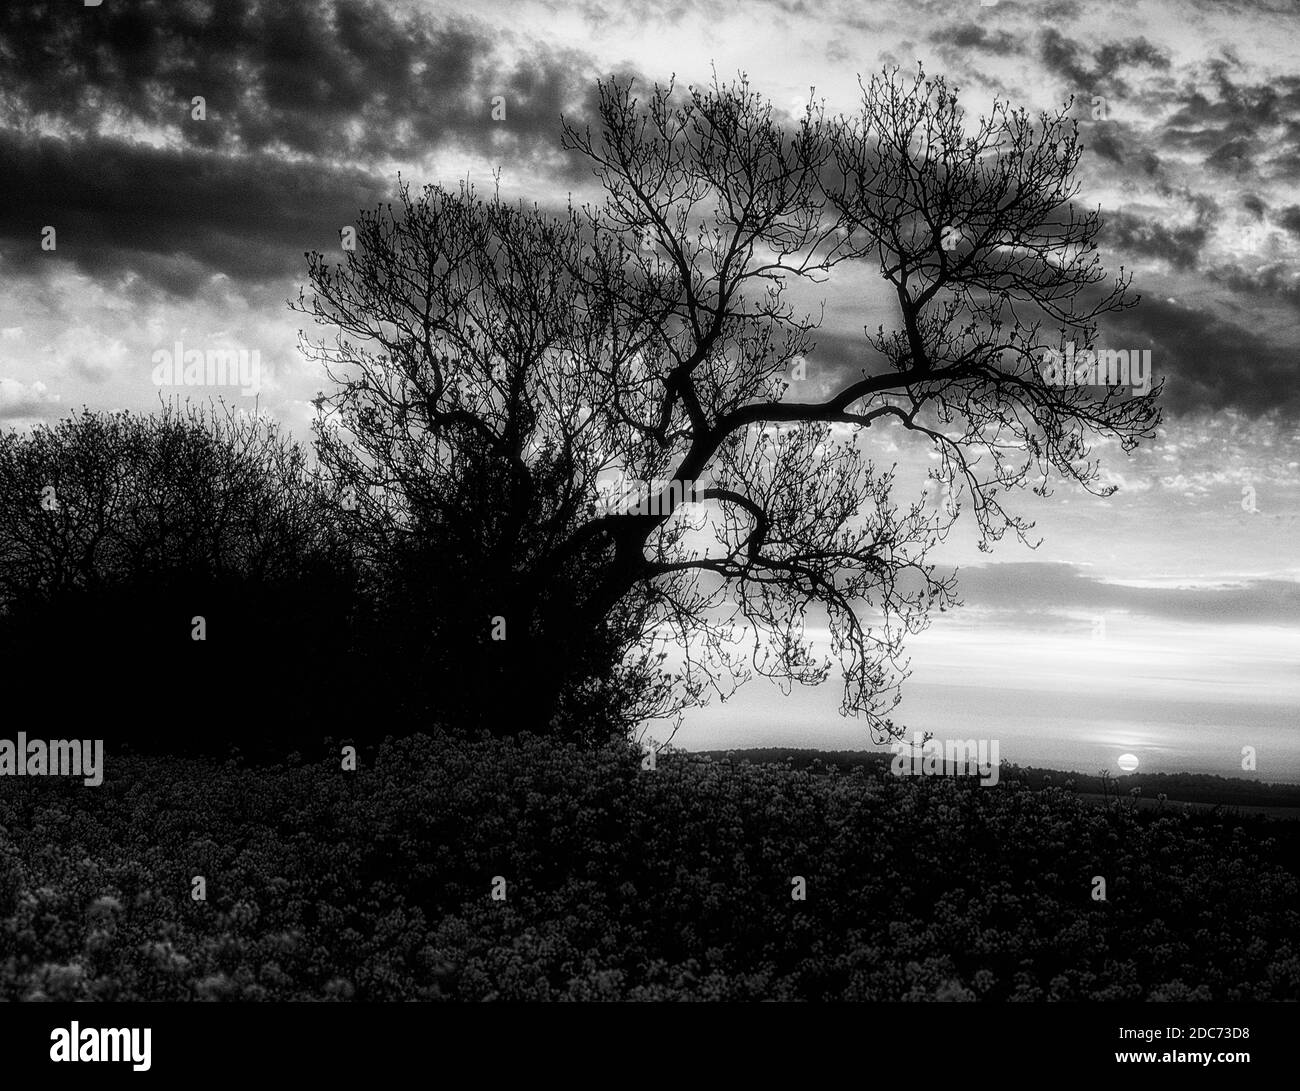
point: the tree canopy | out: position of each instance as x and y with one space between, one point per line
496 365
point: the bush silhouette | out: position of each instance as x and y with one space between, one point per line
154 521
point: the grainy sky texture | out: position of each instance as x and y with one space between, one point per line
1164 621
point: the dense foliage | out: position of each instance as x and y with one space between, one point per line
118 530
622 882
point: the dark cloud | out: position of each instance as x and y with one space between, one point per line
1207 362
1255 205
1102 72
1274 281
344 79
1248 106
974 36
1053 588
1131 234
301 98
173 217
1233 157
1123 147
1240 127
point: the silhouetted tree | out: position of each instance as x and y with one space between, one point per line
496 365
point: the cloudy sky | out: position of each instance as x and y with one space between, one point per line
1163 622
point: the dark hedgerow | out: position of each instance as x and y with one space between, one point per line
621 883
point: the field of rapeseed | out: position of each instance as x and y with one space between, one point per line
620 883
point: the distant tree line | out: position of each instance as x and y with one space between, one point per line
185 581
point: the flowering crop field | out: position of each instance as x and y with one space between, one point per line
446 869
